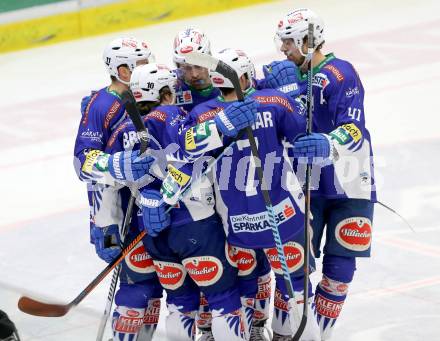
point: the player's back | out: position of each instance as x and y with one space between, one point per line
242 205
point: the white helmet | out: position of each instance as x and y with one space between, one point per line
125 51
295 26
147 81
191 39
236 59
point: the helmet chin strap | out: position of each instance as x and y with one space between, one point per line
304 66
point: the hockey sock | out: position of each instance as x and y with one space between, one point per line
204 316
180 326
127 322
332 291
151 319
262 300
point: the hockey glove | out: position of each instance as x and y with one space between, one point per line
316 148
236 116
107 242
283 76
130 166
154 215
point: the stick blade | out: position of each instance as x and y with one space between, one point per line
201 59
37 308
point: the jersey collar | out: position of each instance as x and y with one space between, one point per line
248 92
328 57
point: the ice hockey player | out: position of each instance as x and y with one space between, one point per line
102 113
240 200
8 332
185 260
194 86
342 202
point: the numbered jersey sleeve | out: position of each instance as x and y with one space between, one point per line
339 112
101 116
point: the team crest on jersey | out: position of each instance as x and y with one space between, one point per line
245 260
171 275
204 270
354 233
321 80
184 97
294 254
139 260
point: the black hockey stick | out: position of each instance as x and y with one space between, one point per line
212 63
39 308
135 116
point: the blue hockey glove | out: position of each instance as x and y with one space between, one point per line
315 147
236 116
106 240
283 76
85 101
154 215
129 166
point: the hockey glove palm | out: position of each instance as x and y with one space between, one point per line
316 148
107 242
283 76
154 215
236 116
129 166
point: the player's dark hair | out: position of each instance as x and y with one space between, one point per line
146 106
227 91
113 78
319 47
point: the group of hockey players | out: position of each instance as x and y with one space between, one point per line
210 243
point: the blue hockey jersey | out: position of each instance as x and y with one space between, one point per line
238 195
163 123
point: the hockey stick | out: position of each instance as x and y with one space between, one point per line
302 325
396 213
135 116
34 307
38 308
212 63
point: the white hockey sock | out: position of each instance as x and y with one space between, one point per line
329 298
151 319
280 319
204 316
180 326
311 331
262 300
127 322
233 326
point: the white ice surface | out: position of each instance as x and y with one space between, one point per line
395 45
